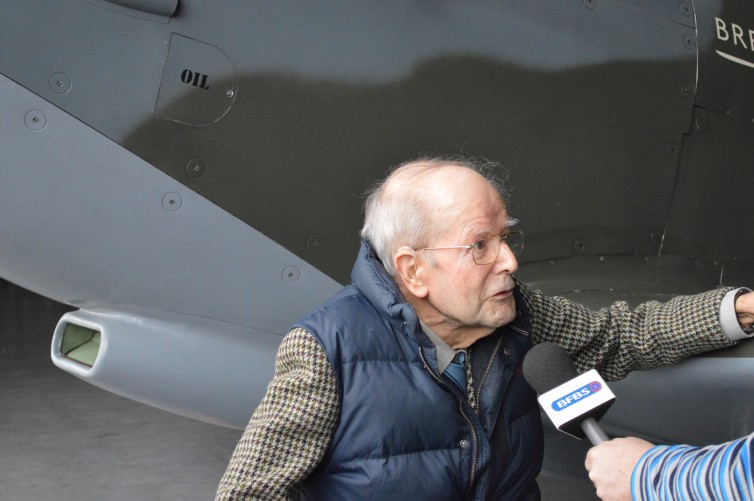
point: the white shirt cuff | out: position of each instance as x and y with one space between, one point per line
728 320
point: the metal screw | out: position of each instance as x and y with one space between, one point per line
315 244
172 202
688 41
579 246
35 120
673 149
291 274
702 122
196 167
60 83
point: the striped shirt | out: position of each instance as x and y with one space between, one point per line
723 472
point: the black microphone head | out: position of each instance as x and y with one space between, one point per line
546 366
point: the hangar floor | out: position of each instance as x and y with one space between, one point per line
62 439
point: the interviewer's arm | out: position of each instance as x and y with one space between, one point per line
692 473
626 469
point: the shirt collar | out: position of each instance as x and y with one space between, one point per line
445 354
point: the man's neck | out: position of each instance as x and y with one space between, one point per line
460 338
456 336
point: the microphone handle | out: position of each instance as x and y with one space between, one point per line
593 431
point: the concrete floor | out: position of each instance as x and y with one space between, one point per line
62 439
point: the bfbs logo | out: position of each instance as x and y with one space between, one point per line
576 396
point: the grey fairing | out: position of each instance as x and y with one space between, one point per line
177 284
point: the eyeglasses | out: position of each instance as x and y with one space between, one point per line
486 250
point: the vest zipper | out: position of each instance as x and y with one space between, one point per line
465 416
426 366
487 369
476 446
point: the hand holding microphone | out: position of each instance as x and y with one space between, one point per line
611 464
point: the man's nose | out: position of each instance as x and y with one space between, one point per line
506 260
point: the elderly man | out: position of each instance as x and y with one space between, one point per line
407 384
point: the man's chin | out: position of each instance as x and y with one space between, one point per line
504 314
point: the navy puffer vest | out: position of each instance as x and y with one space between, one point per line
405 431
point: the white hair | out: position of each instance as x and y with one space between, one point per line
403 213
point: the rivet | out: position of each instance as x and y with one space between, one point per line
673 149
579 246
688 41
35 120
291 274
60 83
315 244
464 443
172 202
702 122
196 167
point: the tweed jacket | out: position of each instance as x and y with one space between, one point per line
291 429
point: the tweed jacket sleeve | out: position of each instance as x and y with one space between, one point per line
616 340
291 428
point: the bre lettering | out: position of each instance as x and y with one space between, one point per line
735 34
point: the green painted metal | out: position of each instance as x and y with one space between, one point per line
81 344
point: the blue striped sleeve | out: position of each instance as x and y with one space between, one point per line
695 473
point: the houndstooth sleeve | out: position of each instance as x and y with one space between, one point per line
616 340
291 428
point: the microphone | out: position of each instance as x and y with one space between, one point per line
573 402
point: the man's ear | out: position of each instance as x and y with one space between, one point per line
406 267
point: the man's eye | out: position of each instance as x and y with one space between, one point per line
479 245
